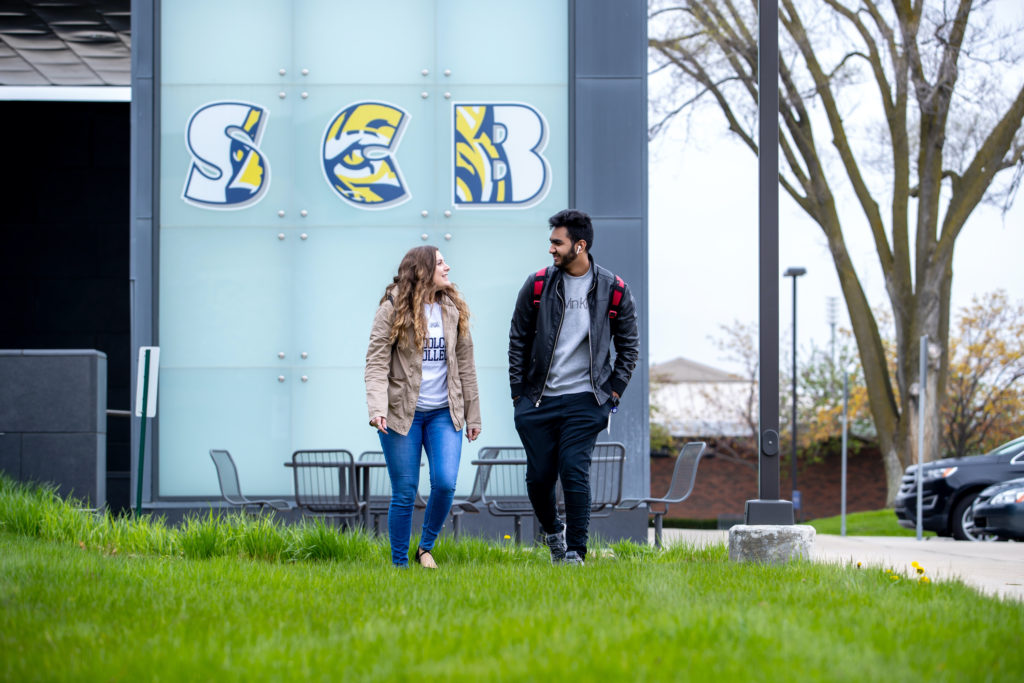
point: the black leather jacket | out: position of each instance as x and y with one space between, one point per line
534 333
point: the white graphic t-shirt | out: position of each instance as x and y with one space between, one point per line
434 387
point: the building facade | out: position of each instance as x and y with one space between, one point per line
282 165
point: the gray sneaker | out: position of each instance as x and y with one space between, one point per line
573 557
556 542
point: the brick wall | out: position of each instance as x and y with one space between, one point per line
724 484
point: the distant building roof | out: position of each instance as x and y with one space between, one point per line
683 370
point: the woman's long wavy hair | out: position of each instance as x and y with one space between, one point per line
413 287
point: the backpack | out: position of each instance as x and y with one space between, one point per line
614 301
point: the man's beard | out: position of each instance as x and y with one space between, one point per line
565 261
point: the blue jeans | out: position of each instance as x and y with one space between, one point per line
433 431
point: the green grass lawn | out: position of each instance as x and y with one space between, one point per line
86 597
74 614
873 523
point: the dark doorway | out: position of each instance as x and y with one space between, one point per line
64 246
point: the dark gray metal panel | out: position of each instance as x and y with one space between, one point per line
53 391
76 463
618 247
145 77
611 38
10 454
608 162
611 140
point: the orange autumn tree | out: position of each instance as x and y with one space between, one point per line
985 392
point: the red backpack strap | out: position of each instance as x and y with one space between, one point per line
615 300
539 278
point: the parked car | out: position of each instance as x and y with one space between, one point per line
950 486
999 510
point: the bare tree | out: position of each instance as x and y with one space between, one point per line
914 102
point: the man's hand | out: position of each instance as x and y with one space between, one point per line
381 423
472 433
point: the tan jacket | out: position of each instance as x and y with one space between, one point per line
393 374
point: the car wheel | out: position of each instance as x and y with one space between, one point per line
963 522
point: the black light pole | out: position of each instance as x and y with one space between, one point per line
794 273
768 509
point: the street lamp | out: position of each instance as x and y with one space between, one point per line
794 272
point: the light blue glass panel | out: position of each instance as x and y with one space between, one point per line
329 410
226 41
526 41
340 276
179 106
531 106
411 150
225 296
347 41
247 412
489 266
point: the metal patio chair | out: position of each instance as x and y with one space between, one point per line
326 485
502 480
227 477
684 476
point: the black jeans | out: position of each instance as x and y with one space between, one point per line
559 438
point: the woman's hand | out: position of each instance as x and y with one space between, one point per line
381 423
472 433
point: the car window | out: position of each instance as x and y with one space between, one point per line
1010 447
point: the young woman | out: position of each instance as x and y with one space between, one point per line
421 393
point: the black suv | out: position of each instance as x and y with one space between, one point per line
950 487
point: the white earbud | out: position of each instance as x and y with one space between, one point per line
577 250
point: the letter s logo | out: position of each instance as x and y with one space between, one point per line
228 169
497 160
357 155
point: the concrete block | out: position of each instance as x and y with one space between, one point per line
770 544
10 455
76 463
53 391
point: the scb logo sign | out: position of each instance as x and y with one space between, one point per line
228 170
358 155
496 156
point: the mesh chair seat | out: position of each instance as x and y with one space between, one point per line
501 483
684 478
227 477
326 484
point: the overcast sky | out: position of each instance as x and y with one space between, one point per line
704 258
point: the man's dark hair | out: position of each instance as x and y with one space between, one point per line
577 223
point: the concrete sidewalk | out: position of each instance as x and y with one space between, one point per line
992 568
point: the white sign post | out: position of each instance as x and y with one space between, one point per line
145 404
146 380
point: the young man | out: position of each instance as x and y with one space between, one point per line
564 382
